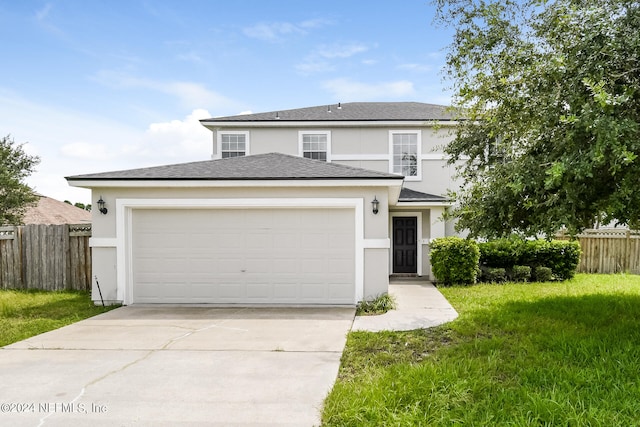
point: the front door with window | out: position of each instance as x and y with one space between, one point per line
405 244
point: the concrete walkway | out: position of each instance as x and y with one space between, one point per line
419 305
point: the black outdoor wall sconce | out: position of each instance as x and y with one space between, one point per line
101 207
375 203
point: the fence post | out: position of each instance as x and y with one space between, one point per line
627 251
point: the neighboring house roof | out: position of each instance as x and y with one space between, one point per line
408 195
51 211
352 111
270 166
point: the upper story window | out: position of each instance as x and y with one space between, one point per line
233 144
405 154
315 145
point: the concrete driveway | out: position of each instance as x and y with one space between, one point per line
167 366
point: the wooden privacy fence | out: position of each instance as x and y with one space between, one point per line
609 251
48 257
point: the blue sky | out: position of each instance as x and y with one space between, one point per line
93 86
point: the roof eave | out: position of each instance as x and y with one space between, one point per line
213 124
202 183
424 204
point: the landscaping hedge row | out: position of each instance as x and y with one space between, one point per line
461 261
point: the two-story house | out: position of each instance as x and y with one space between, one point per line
315 205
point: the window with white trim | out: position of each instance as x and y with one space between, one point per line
233 144
315 145
405 153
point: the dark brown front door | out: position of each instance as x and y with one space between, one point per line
405 244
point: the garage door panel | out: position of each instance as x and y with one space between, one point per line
339 266
299 256
285 241
338 242
231 291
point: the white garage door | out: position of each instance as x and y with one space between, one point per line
282 256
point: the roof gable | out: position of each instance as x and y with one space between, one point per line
270 166
352 111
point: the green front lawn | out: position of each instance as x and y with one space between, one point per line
544 354
24 314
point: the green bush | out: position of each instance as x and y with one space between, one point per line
543 274
561 256
494 275
521 273
454 260
502 253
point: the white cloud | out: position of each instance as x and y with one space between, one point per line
190 57
350 89
340 50
86 151
71 142
278 31
179 140
314 65
191 95
272 32
420 68
319 59
42 19
315 23
41 14
68 143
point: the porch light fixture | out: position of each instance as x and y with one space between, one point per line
375 204
101 207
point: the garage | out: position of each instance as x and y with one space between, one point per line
243 256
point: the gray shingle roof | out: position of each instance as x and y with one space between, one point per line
408 195
271 166
352 111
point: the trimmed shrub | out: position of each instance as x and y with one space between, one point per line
521 273
565 258
494 275
543 274
562 257
502 253
454 260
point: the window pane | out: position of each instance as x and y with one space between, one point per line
314 146
232 145
405 153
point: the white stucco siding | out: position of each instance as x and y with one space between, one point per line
360 141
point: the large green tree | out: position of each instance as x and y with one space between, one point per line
15 195
550 96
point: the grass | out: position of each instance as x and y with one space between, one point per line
541 354
378 305
24 314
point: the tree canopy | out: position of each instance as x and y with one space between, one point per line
550 96
15 195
